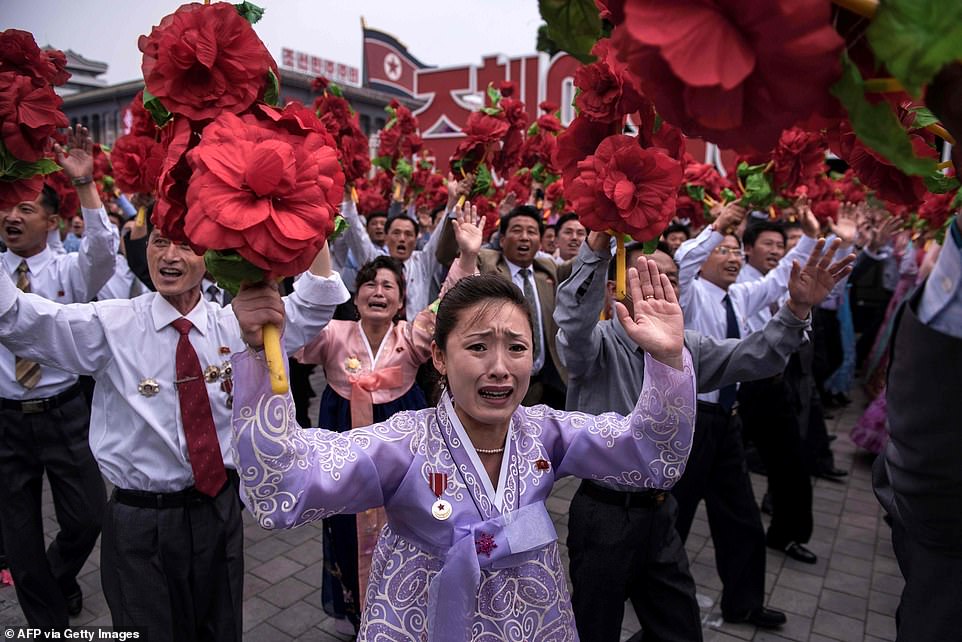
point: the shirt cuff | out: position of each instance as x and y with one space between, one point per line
321 290
589 255
786 317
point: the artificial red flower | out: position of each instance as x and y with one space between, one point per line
264 190
389 141
625 188
489 210
611 10
539 149
373 194
319 84
17 191
549 123
509 156
548 107
852 190
66 192
688 210
101 163
936 209
137 163
433 194
141 122
608 92
29 114
577 142
484 128
555 193
798 157
670 139
520 186
824 197
168 214
202 60
728 70
506 87
19 53
705 175
889 182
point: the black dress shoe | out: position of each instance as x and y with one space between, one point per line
75 603
798 552
831 473
761 617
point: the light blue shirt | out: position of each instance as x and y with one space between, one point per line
941 304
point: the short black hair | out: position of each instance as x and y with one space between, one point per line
677 227
374 215
564 218
482 289
49 199
521 210
437 210
402 217
755 229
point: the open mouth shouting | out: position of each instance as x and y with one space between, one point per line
496 395
12 231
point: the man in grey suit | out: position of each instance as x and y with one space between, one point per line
623 544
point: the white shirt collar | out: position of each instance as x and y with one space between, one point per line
163 314
517 268
36 263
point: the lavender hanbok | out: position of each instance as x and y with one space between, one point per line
491 572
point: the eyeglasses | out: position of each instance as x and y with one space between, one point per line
729 251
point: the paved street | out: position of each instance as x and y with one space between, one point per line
849 596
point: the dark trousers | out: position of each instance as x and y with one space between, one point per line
717 473
55 442
630 552
179 571
932 597
768 420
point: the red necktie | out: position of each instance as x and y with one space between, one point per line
203 448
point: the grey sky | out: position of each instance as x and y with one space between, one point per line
438 33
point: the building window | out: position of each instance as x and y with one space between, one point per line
567 100
95 130
366 124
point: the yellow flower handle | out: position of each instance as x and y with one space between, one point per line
141 217
620 269
354 196
275 359
864 8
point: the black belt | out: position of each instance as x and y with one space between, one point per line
716 409
180 499
643 499
33 406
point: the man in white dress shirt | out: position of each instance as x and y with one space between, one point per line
718 307
172 548
43 414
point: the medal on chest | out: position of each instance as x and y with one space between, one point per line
441 509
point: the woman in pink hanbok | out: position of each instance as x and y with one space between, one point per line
370 366
469 551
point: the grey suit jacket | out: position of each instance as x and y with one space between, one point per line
606 368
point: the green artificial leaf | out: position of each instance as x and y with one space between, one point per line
494 95
340 226
758 192
537 172
491 111
230 270
483 181
728 195
12 168
156 109
573 26
939 183
957 201
876 125
109 182
272 90
403 169
249 11
534 129
923 117
914 39
335 90
695 192
384 162
545 44
650 246
549 178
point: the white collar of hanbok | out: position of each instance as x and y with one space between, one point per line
496 497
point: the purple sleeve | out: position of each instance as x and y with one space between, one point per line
291 475
649 448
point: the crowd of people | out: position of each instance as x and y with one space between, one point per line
578 298
452 392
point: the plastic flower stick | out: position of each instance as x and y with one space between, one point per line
941 132
864 8
620 272
141 219
354 196
463 196
397 192
275 359
883 86
944 165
